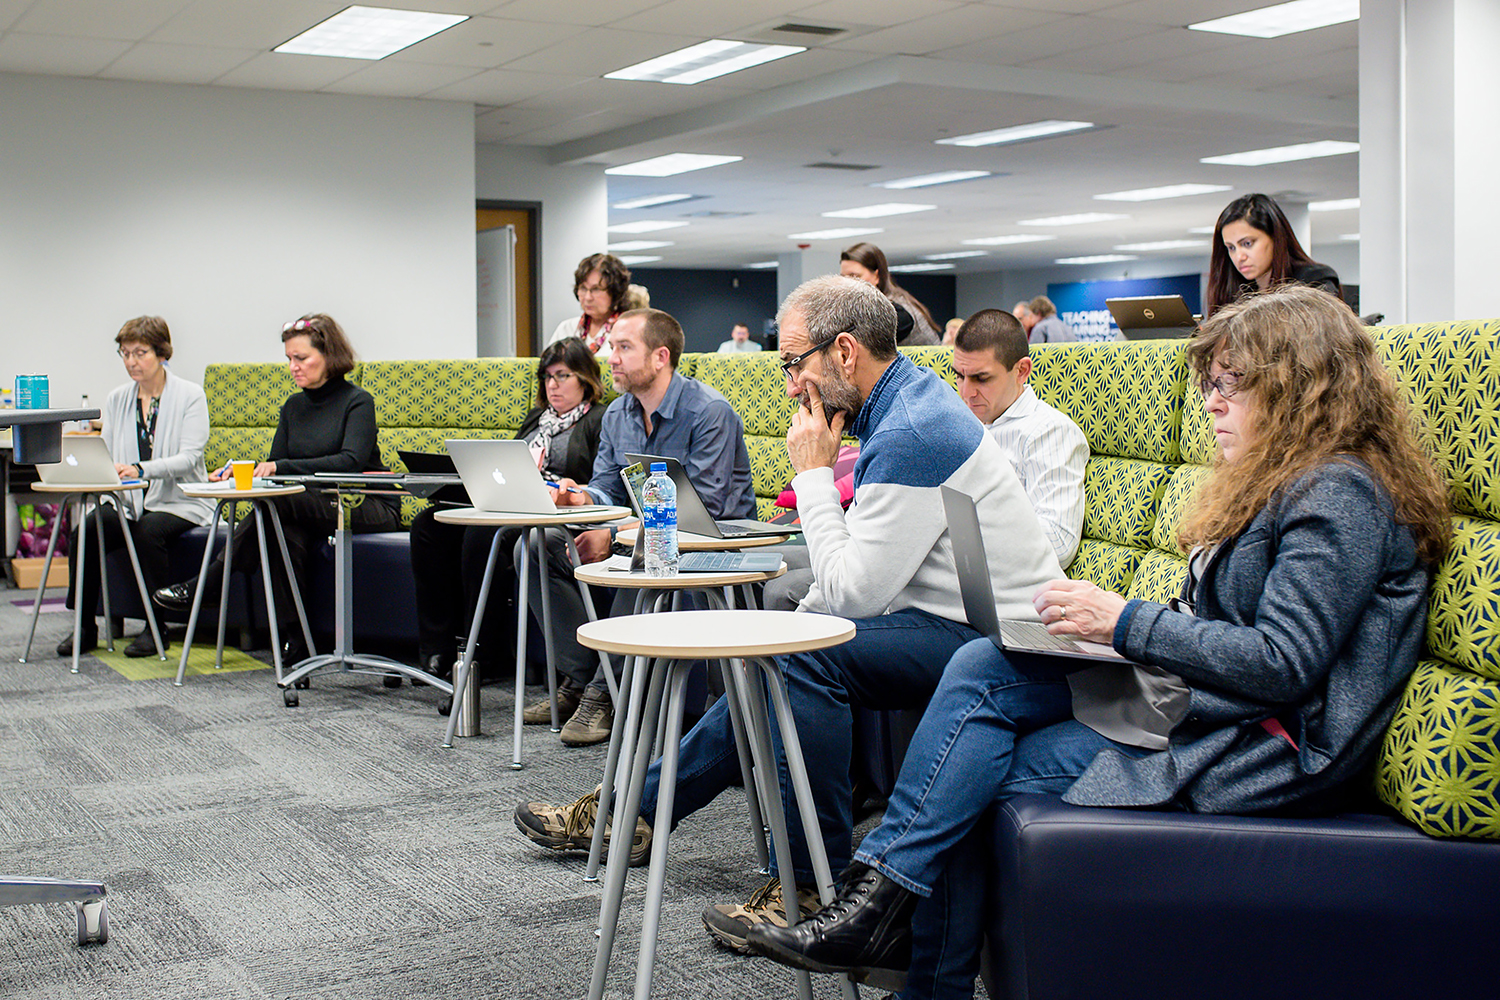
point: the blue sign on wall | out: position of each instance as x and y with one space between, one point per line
1081 303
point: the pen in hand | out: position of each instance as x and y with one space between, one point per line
565 489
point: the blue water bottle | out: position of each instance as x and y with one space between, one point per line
659 505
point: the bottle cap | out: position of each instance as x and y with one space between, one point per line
658 467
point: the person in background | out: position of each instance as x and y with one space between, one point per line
329 426
447 560
739 341
1267 685
1039 318
950 330
601 282
1047 449
914 324
156 427
1255 249
636 297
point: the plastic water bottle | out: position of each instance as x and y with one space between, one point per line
659 501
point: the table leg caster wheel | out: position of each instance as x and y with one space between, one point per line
289 696
445 706
302 683
391 680
93 921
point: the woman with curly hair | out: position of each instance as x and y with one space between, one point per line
601 282
1267 685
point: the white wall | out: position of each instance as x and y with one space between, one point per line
228 212
575 215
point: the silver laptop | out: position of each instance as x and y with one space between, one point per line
85 462
1151 317
634 477
502 477
1010 635
693 516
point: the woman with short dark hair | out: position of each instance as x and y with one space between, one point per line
1255 249
601 283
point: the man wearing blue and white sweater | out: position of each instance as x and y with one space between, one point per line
887 562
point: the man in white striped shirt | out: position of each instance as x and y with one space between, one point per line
1046 448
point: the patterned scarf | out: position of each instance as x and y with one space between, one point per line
597 340
552 424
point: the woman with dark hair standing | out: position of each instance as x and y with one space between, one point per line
601 282
327 427
448 560
914 324
1268 684
156 427
1255 249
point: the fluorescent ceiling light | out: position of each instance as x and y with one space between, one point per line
1103 258
930 180
1164 245
1284 154
646 226
878 211
672 163
833 234
762 265
1351 237
1000 241
1202 230
1283 18
1158 193
704 61
638 259
1083 218
368 33
1015 133
914 268
651 201
629 245
955 255
1337 205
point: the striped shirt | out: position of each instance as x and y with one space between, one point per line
1049 454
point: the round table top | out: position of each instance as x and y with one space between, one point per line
86 487
501 518
692 635
599 575
254 493
689 542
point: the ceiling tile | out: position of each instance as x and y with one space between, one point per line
947 30
502 87
878 13
503 123
555 12
1169 43
716 19
10 10
484 42
1180 13
274 71
53 54
127 20
1057 37
577 128
176 63
244 25
393 79
600 51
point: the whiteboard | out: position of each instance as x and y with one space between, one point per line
496 330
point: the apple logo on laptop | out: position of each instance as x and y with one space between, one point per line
72 460
498 477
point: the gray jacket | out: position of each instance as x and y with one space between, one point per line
181 436
1313 615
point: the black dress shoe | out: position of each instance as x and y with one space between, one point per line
438 665
867 926
144 645
177 597
293 651
89 644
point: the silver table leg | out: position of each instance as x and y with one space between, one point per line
466 662
140 579
41 585
208 555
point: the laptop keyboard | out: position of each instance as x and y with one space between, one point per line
710 562
1036 636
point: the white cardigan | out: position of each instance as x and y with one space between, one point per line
181 436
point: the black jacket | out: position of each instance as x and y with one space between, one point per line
583 443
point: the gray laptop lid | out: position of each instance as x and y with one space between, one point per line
85 462
634 477
693 516
501 476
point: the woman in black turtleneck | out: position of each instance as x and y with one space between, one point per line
327 427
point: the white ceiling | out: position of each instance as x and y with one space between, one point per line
902 74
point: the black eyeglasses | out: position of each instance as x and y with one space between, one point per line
1227 383
793 365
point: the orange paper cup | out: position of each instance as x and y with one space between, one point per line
243 473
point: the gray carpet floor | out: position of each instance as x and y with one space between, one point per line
334 850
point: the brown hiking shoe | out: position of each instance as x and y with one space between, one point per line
729 923
591 720
539 712
571 827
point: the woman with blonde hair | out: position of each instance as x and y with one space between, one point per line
1267 685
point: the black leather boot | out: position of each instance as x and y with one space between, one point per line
868 925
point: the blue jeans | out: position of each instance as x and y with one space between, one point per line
996 727
893 662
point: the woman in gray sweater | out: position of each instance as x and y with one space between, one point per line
1266 686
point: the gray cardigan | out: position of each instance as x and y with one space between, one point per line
177 456
1313 615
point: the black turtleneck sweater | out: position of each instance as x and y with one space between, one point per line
327 429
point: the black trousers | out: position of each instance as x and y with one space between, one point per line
307 519
447 565
153 533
